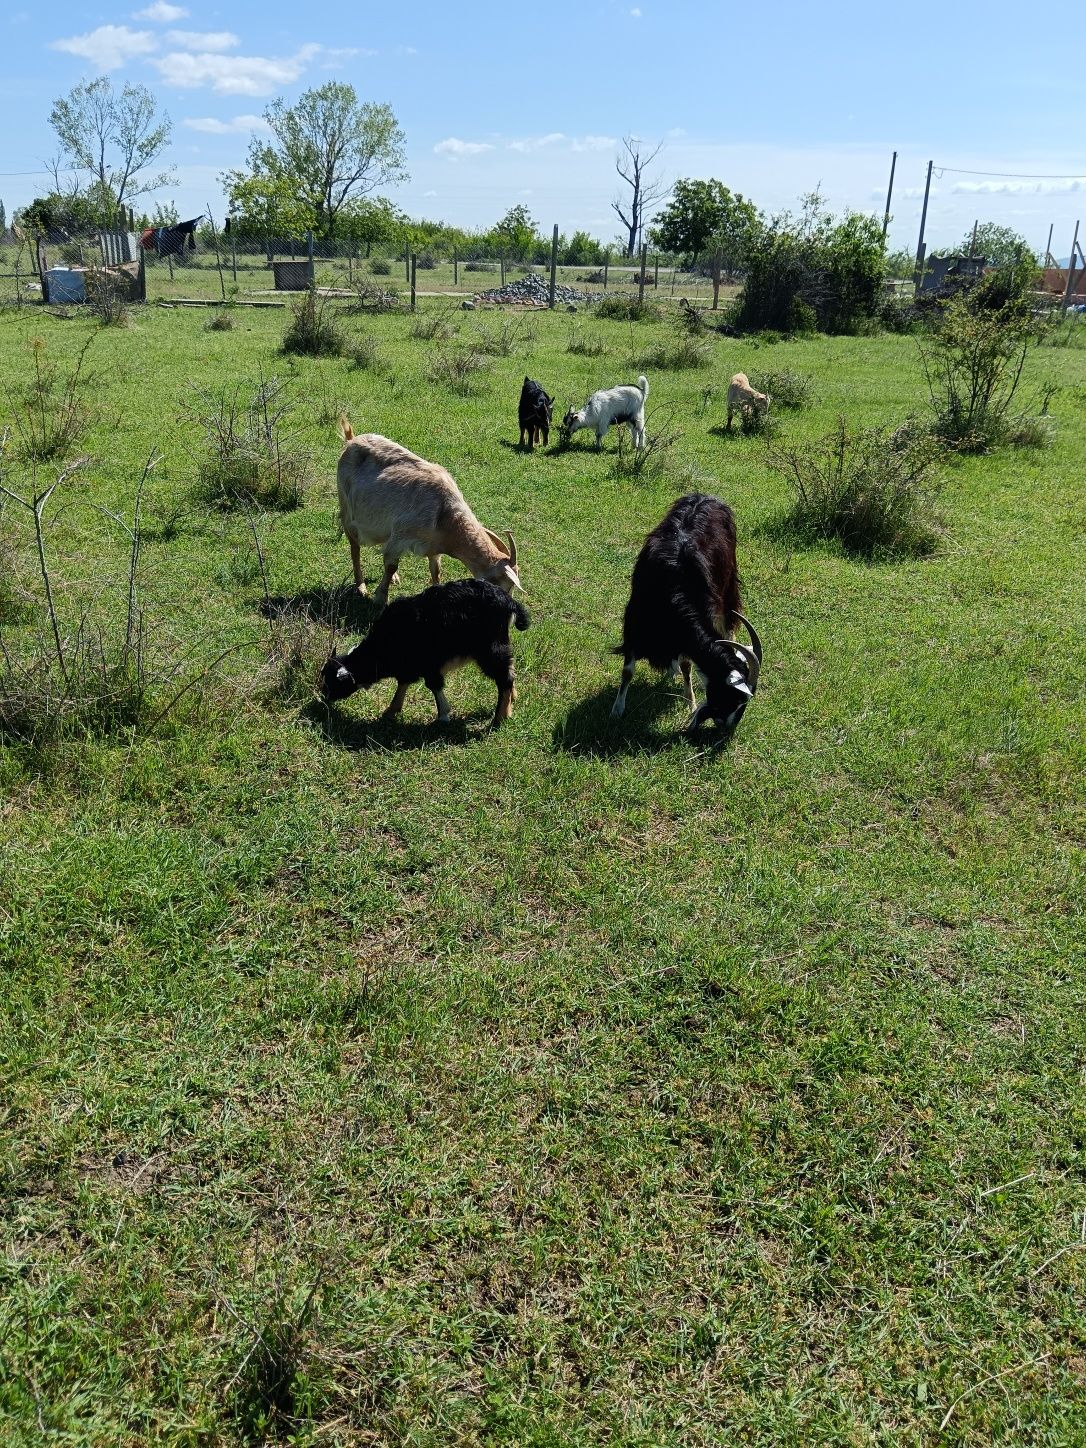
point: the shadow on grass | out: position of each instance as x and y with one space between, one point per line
653 722
347 731
340 606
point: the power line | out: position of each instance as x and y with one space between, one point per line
1016 175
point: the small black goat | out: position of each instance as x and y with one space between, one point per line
534 413
426 637
684 594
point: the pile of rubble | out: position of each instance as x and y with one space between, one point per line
533 290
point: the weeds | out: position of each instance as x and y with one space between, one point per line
973 365
108 296
684 353
790 391
503 340
51 413
855 485
313 329
584 346
434 326
222 321
365 354
270 1386
627 309
653 461
247 457
458 370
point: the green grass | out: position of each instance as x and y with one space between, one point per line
398 1084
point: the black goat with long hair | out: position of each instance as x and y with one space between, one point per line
428 635
684 597
534 414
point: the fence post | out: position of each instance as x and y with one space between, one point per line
641 275
656 273
234 254
407 261
456 269
606 264
502 259
309 258
554 263
414 263
1070 272
921 250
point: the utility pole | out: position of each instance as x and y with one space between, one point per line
1070 272
889 193
919 272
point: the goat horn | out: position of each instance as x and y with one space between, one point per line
512 551
499 543
751 656
755 640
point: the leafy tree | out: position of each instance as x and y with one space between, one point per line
515 234
266 205
326 150
68 214
117 137
900 264
3 218
704 218
998 245
581 250
645 190
373 222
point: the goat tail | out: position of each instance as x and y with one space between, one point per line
520 614
344 428
643 383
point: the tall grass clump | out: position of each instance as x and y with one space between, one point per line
51 411
436 326
856 485
679 354
582 345
503 340
313 329
627 309
246 456
458 369
365 354
651 463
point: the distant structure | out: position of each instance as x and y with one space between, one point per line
947 273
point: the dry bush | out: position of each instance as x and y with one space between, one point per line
313 329
297 646
222 321
502 340
683 353
369 297
436 326
584 346
874 495
656 460
108 297
51 412
457 369
247 456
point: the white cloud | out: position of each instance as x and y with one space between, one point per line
536 143
109 46
455 148
636 12
211 126
1022 187
234 75
595 143
207 40
429 193
165 14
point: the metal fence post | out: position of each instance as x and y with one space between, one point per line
414 263
554 263
641 275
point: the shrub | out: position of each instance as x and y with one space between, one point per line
435 326
108 295
1030 430
972 365
683 353
480 266
813 273
425 261
50 412
582 346
313 330
381 267
501 341
365 354
298 644
371 298
457 370
221 322
785 389
856 486
652 462
627 309
246 456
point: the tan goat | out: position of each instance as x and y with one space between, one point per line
404 504
742 395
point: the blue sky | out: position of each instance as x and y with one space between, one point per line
510 103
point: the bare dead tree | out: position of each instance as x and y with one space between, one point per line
645 190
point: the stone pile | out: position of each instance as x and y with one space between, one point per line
533 290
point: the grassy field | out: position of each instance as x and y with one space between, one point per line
371 1083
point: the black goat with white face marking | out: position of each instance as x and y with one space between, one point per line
534 414
426 637
684 595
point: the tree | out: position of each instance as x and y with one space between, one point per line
3 218
704 218
515 234
326 150
645 191
265 205
998 245
117 137
372 223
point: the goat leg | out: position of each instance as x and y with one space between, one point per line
397 701
618 708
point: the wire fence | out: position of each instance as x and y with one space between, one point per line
224 268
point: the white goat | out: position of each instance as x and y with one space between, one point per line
742 395
611 405
405 504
